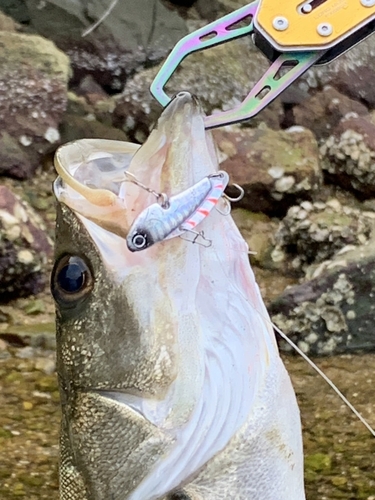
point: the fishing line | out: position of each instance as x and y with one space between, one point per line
106 13
303 355
323 375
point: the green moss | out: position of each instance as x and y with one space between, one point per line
47 383
318 462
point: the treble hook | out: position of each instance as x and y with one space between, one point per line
228 200
239 197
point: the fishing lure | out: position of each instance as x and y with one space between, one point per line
171 217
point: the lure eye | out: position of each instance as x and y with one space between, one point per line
140 241
71 279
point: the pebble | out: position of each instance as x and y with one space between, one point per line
25 352
46 365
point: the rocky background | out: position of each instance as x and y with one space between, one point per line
307 165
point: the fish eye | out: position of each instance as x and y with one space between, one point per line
140 241
71 279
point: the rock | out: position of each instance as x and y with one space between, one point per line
257 230
35 306
134 33
77 127
14 160
4 353
27 352
351 74
91 90
348 155
221 77
314 232
42 335
335 311
208 10
324 110
7 23
275 168
3 345
24 248
46 365
33 82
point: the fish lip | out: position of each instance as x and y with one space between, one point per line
184 97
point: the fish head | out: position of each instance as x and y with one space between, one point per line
163 354
125 328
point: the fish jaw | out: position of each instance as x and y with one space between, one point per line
174 341
101 348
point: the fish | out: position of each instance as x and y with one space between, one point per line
171 382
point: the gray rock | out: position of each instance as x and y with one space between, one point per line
348 155
335 311
314 232
275 168
135 33
24 248
27 352
33 85
46 365
351 74
322 112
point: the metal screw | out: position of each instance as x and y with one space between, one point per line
280 23
368 3
306 8
324 29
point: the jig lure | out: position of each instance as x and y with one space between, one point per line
171 217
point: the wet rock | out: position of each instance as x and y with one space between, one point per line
33 85
275 168
348 155
323 111
221 77
134 33
24 248
314 232
335 311
351 74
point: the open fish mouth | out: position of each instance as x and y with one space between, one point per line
92 173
